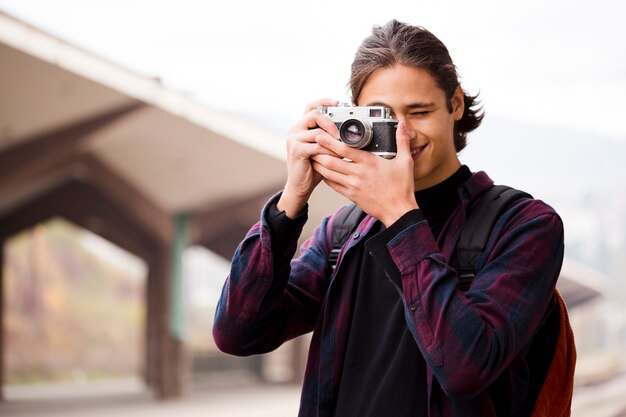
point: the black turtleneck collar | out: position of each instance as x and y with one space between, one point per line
440 200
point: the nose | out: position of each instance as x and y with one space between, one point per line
411 133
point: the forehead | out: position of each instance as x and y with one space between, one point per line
400 84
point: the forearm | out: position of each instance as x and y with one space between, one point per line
264 300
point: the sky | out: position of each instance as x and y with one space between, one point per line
558 63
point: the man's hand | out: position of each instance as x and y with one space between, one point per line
301 146
383 188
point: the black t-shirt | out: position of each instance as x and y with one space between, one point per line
384 372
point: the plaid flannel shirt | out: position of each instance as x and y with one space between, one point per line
474 343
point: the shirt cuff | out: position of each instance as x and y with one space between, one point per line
279 223
378 245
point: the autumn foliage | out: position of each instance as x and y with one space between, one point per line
71 312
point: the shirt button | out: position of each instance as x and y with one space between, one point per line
355 235
413 307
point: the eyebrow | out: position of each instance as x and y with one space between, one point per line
416 105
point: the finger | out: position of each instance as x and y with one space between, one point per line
336 187
341 149
403 139
329 174
334 163
320 102
310 150
306 136
316 119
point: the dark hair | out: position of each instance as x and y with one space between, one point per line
400 43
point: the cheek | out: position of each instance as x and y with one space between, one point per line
443 128
432 130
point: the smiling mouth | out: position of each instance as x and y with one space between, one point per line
415 153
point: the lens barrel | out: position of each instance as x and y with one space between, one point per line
356 133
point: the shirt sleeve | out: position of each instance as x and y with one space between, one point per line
377 245
469 338
268 298
279 225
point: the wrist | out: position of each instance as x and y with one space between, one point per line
398 212
291 203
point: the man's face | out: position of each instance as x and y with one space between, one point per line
413 95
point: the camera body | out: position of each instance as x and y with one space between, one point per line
370 128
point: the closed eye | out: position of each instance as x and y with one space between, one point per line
420 113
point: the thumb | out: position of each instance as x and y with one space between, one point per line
403 139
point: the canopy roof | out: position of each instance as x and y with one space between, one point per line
66 115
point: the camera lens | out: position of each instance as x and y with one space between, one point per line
355 133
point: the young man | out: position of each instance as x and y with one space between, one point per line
392 333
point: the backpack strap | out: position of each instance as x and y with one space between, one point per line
344 223
551 361
475 234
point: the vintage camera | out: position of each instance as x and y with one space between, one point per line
369 128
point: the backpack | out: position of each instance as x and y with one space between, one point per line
552 372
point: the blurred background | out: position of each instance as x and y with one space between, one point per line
139 140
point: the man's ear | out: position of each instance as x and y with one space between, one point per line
458 103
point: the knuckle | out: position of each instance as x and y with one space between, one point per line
311 110
307 122
354 183
342 151
370 163
294 138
